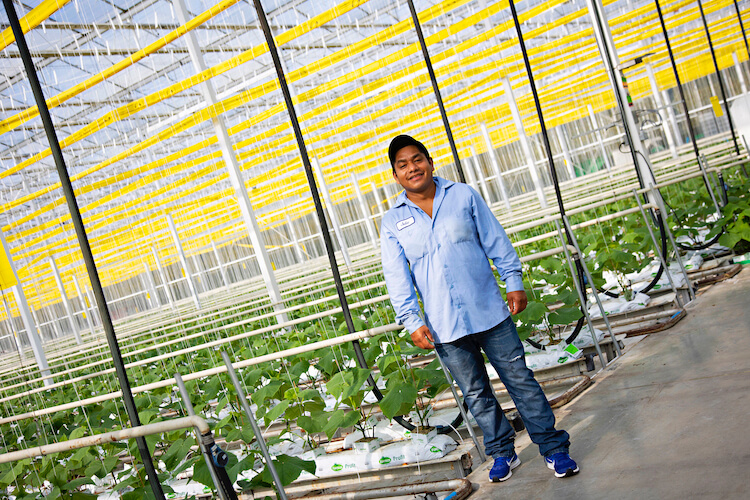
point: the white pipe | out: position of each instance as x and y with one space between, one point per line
65 301
331 209
668 132
98 439
495 166
524 140
183 260
84 306
365 213
232 166
460 488
482 180
598 135
28 320
566 152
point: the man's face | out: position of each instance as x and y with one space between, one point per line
413 170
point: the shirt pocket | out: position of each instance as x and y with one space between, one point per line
460 227
415 242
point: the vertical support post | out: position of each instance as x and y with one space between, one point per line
480 176
657 248
223 271
378 199
461 409
84 306
524 140
13 332
163 276
672 118
581 294
590 280
471 175
26 317
65 301
273 51
436 90
703 164
668 132
190 409
495 166
566 151
740 74
365 213
151 286
675 249
331 209
183 260
608 53
233 169
295 238
599 138
256 429
83 241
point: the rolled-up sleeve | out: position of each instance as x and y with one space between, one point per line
496 244
399 282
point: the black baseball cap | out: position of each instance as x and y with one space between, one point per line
401 141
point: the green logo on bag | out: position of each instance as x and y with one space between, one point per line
435 449
337 467
385 460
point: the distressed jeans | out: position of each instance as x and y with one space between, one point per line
503 348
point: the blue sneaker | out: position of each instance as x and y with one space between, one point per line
503 467
562 464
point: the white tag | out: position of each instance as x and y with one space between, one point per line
404 223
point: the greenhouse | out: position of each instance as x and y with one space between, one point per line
195 219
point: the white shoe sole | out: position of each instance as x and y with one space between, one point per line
515 463
567 473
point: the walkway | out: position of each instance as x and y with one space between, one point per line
668 420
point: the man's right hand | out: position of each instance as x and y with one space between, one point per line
422 338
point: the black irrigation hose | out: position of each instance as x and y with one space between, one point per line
651 285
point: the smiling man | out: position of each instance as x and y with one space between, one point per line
436 241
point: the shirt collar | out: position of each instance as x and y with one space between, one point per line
442 185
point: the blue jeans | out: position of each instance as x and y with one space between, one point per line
503 348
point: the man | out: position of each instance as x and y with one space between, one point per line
437 238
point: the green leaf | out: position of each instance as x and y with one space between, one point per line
267 392
77 433
534 312
76 483
399 400
313 423
340 419
346 384
564 315
276 412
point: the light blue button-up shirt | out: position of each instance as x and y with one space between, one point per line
448 256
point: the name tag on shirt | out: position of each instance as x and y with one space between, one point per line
404 223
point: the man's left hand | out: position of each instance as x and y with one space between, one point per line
517 301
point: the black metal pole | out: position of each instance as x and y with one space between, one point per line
679 83
618 98
545 136
316 198
436 89
718 77
83 241
306 163
742 28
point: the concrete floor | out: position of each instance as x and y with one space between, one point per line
668 420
